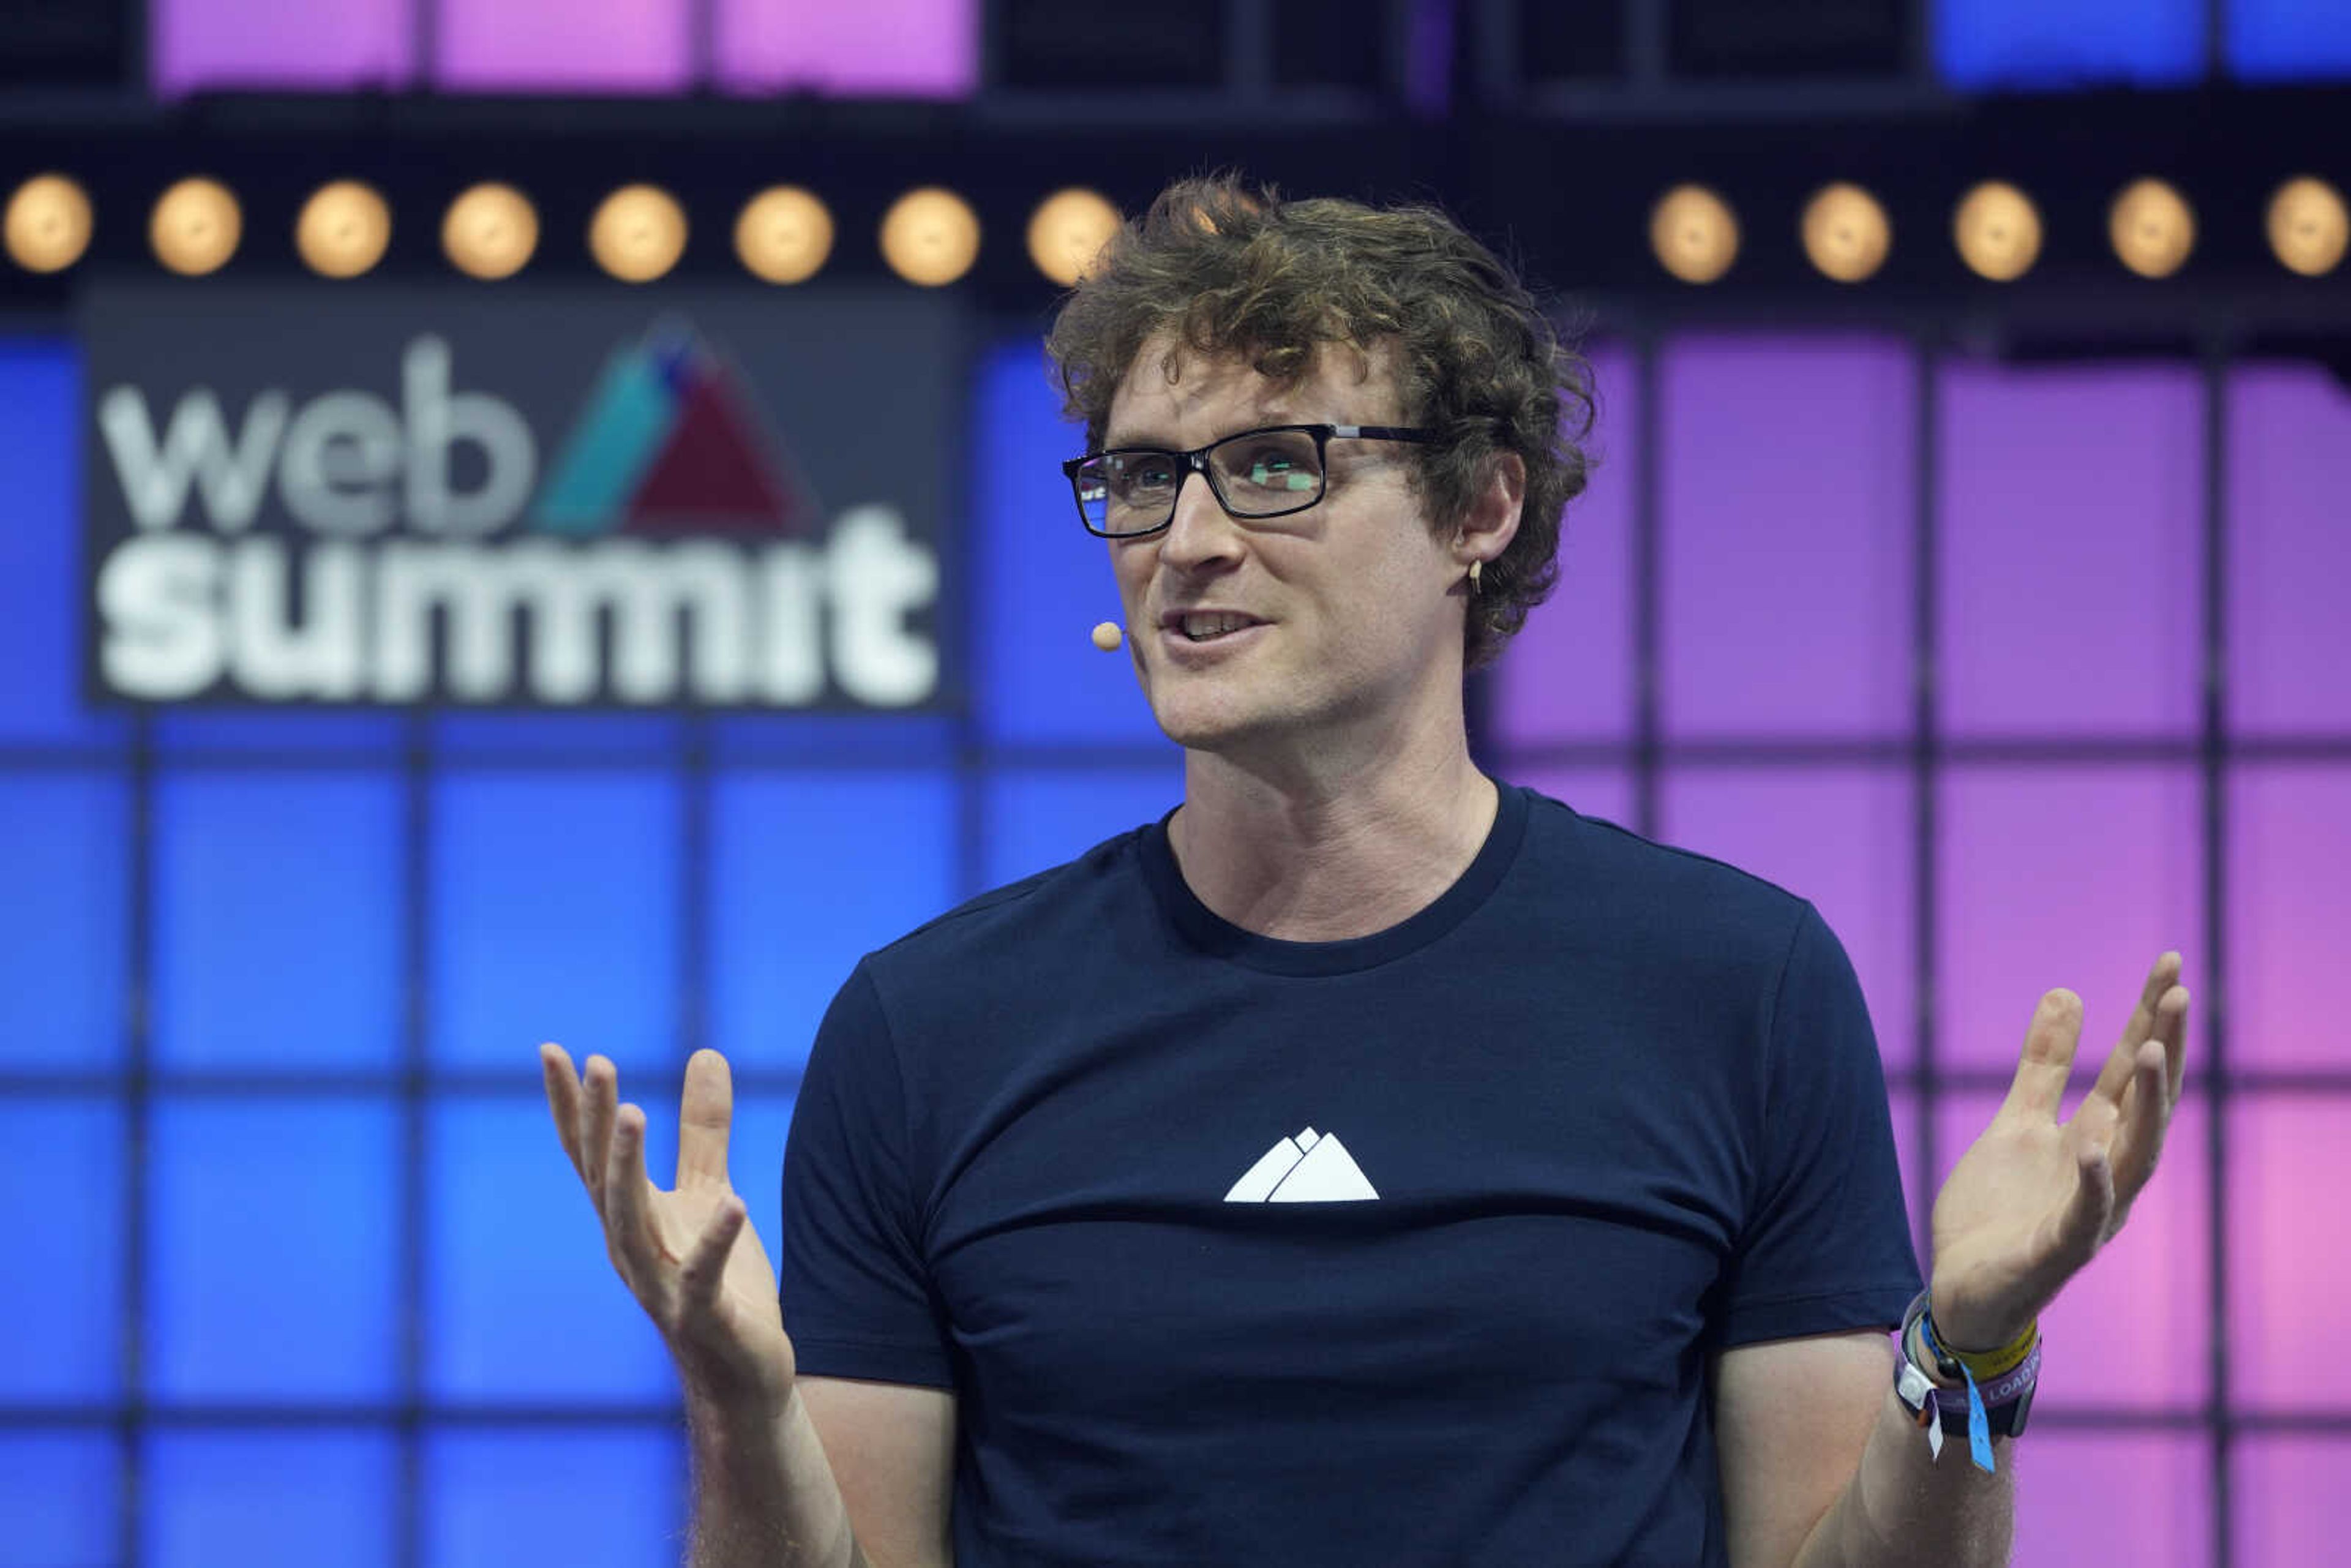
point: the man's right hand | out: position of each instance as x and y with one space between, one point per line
690 1256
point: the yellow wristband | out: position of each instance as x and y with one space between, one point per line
1990 1364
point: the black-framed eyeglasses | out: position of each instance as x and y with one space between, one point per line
1269 473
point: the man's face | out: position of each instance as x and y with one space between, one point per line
1347 618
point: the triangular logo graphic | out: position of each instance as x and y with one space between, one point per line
670 443
1312 1168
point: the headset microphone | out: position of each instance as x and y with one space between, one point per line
1107 636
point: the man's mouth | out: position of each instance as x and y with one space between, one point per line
1207 625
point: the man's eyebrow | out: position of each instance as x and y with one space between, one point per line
1264 420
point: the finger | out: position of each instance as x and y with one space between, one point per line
2115 1076
705 1111
563 1100
602 1092
2147 1116
627 1218
707 1265
2050 1040
2171 1029
2083 1225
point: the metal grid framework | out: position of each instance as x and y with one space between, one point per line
418 1085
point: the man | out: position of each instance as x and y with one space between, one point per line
1369 1164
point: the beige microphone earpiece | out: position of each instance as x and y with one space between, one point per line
1107 636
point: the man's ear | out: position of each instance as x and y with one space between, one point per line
1491 520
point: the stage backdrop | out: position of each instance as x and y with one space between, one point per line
2022 673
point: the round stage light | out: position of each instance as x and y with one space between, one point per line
783 235
930 237
195 228
2308 226
2152 228
48 224
638 232
1845 233
1998 230
343 229
490 232
1694 234
1068 231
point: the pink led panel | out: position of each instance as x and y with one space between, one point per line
2068 550
564 46
2287 1493
302 44
2139 1498
893 49
2073 877
2289 549
1786 515
1605 792
2289 892
2289 1165
1842 837
1569 675
2131 1329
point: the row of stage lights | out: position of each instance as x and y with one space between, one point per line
783 235
930 235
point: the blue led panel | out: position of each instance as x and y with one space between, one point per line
64 927
41 546
274 1268
304 732
754 1161
1041 817
278 917
62 1494
2005 43
604 1499
2280 40
288 1499
623 736
807 873
1041 583
520 1301
63 1341
554 916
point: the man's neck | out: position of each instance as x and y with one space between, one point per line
1325 853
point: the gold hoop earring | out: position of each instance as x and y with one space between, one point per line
1476 567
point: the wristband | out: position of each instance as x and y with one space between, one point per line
1997 1407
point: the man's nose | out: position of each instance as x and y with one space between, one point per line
1201 532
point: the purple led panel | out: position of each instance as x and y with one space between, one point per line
1569 675
564 46
2288 1498
2288 1274
2289 897
2073 877
2140 1498
199 44
1842 837
2131 1329
1595 791
1787 502
2289 549
880 49
2068 550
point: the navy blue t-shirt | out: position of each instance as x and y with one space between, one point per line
1410 1249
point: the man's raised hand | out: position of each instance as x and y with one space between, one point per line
2034 1197
689 1255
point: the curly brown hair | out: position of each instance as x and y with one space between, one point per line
1231 270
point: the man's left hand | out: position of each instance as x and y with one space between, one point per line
2034 1198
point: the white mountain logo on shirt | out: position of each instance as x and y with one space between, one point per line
1312 1168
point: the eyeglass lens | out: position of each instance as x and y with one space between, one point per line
1258 474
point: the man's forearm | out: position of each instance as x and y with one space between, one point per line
764 1495
1905 1507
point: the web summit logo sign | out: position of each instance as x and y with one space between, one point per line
323 539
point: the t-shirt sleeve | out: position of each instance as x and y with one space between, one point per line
1826 1243
856 1296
